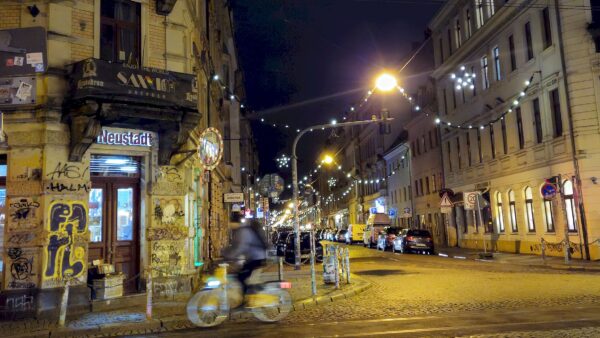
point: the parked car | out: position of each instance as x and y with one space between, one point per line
280 242
375 225
340 236
414 240
330 235
386 239
290 255
355 233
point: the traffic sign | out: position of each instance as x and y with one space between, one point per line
548 191
470 200
445 202
392 212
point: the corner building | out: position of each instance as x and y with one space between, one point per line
103 104
514 136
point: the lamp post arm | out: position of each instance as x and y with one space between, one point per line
295 175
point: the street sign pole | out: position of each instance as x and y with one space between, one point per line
564 211
481 222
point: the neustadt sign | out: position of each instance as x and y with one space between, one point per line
125 138
115 82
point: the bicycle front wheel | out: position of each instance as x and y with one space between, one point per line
204 310
277 310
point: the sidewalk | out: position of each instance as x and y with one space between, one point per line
170 315
534 261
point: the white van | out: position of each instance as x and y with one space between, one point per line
375 225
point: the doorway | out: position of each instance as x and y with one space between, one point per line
114 215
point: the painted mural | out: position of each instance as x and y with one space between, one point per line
67 234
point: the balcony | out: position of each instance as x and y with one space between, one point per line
102 93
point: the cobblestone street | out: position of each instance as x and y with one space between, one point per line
417 295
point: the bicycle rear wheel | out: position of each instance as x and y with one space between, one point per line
277 310
203 309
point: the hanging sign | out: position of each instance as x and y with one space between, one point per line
233 197
210 150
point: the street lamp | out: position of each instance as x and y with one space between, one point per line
327 159
295 179
386 82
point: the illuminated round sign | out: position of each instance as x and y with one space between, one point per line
210 150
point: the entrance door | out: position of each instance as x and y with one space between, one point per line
114 225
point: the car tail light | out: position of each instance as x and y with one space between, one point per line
410 238
428 239
285 285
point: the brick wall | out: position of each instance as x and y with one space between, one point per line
155 41
11 16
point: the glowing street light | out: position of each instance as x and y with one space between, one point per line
327 159
386 82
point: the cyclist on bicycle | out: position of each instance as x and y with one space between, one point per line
249 244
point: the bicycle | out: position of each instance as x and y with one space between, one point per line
269 302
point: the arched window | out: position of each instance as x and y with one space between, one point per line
499 212
529 219
513 211
570 205
549 215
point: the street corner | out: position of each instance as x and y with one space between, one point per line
357 286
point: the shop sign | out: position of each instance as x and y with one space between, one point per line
119 82
233 197
210 150
124 137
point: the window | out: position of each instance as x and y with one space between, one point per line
427 185
570 206
469 149
556 114
474 82
529 210
504 139
423 144
548 213
417 188
468 28
499 214
528 41
511 49
479 12
547 27
449 156
442 50
484 73
458 152
496 54
479 152
120 31
513 211
445 102
491 8
537 121
434 182
431 145
449 42
453 96
519 119
3 168
457 34
492 141
421 187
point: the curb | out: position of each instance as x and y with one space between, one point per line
344 294
178 322
550 266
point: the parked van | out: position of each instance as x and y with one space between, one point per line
375 225
355 233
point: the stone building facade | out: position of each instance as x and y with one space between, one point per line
100 148
533 112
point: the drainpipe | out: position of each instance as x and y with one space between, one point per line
572 134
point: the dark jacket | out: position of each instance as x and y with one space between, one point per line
245 244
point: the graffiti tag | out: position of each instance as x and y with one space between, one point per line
65 170
23 209
68 187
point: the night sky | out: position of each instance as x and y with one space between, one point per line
306 61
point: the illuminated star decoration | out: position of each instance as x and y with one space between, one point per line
283 161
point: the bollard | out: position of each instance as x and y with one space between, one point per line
337 269
149 296
280 269
543 250
63 304
347 266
